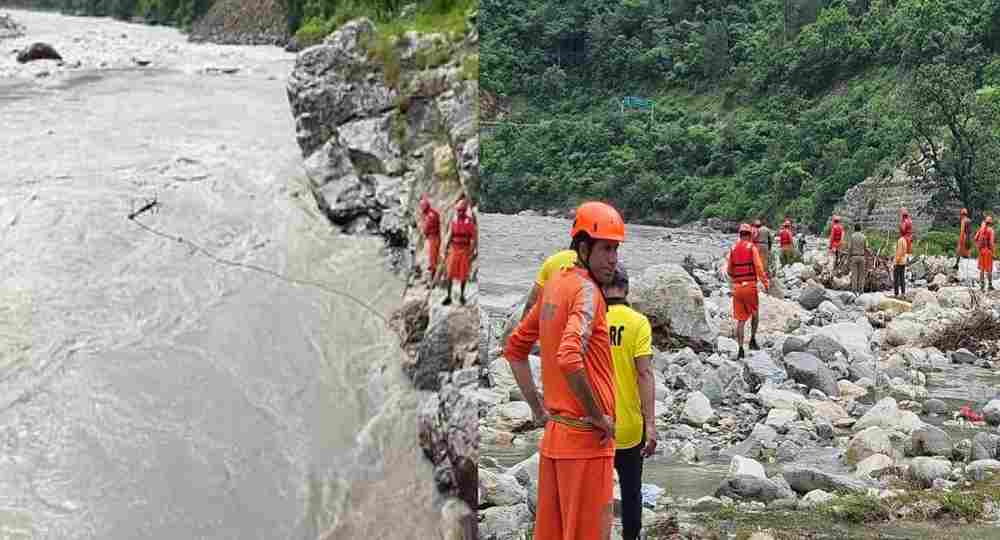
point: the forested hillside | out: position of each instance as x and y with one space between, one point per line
759 107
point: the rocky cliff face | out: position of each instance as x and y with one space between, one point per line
243 22
378 134
876 201
380 124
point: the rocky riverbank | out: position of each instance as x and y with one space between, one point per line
378 129
837 409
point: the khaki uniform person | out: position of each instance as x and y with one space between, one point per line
856 246
762 239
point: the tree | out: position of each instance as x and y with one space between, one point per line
716 53
955 128
799 13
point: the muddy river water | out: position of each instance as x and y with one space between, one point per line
146 389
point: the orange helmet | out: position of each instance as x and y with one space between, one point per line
745 229
965 212
600 221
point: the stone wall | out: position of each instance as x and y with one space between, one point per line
876 201
243 22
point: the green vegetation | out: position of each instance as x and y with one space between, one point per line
763 107
863 516
312 20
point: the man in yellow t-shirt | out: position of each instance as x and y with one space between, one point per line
635 422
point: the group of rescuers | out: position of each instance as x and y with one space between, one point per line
461 248
597 404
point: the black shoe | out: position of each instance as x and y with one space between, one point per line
753 344
740 354
462 300
447 301
991 288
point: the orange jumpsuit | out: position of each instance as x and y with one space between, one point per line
986 241
906 231
963 241
463 236
432 231
836 235
575 469
745 267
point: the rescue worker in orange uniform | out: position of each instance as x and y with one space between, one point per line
577 450
461 249
431 226
785 241
745 269
964 228
906 229
836 236
986 242
762 239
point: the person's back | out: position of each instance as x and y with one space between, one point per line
858 244
631 337
556 262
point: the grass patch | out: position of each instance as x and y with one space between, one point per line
931 243
470 67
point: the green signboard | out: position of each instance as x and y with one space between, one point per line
633 102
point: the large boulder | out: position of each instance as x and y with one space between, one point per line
675 306
526 473
448 429
904 332
985 446
928 440
504 522
852 337
806 479
38 51
697 410
871 441
451 342
498 489
807 369
955 297
761 366
746 487
873 465
886 414
925 470
774 398
812 295
991 412
741 466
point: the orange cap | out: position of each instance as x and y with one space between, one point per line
745 229
600 221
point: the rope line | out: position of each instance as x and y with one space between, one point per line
180 239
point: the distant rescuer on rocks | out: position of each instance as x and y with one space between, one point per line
856 247
836 236
461 249
986 242
575 471
785 241
899 269
745 268
762 239
431 225
906 229
964 237
635 418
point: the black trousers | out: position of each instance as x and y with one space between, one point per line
899 279
628 463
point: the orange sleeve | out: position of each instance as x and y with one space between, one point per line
758 267
524 336
579 328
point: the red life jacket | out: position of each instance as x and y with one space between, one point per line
432 223
906 227
462 231
836 234
983 238
741 257
785 237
